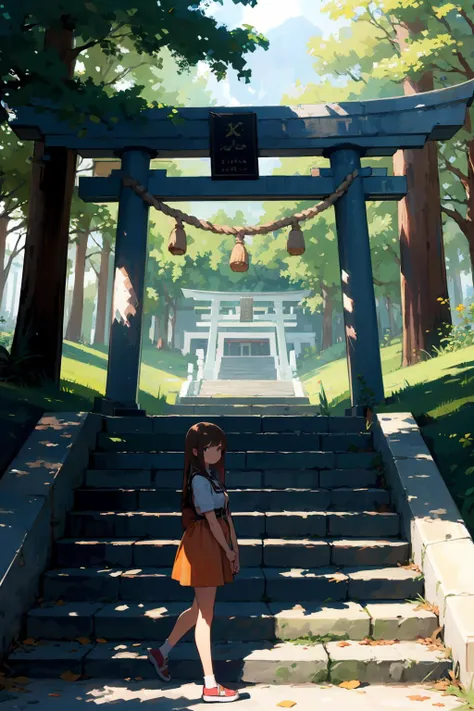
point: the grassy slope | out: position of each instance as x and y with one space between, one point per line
440 394
162 373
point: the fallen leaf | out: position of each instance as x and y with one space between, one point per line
138 678
59 603
343 644
439 704
435 634
417 697
137 644
54 694
21 679
29 641
287 704
70 676
83 640
349 684
441 685
101 641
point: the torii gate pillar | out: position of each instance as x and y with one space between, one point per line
123 371
358 297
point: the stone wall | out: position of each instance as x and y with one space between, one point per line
441 544
35 494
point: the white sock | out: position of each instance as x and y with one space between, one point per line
166 648
210 681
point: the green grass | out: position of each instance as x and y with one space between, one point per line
440 394
84 370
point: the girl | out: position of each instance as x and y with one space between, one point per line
208 555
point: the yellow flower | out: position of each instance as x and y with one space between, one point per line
460 308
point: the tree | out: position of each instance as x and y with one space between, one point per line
15 168
385 50
40 47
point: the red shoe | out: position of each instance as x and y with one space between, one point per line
219 693
160 663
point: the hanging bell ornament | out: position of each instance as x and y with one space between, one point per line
239 259
177 240
295 245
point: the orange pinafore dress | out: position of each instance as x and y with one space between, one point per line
200 561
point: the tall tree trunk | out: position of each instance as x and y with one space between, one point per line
39 326
3 245
379 318
173 324
328 308
102 282
74 327
457 288
423 268
156 330
391 318
162 342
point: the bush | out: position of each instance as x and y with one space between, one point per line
453 338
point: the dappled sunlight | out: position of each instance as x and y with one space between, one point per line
125 300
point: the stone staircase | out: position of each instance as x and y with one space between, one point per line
325 579
247 368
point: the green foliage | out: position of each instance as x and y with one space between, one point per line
324 408
460 335
31 73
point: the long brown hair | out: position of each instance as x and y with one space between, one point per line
199 436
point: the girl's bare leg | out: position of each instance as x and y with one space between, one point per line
205 598
184 623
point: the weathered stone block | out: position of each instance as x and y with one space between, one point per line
384 584
363 523
351 478
403 662
291 479
358 499
72 620
49 660
295 523
400 620
449 570
302 584
343 619
366 553
459 634
81 584
296 553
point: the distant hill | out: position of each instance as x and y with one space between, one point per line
275 72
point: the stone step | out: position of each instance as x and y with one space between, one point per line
251 662
242 500
251 399
235 621
256 524
256 387
220 406
241 460
141 585
235 479
262 584
250 442
254 552
234 422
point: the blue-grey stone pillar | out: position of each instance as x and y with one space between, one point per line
360 315
131 252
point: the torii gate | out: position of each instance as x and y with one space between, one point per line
343 133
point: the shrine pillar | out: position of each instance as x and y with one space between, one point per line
285 371
123 372
360 314
211 353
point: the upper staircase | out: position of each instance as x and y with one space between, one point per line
247 368
326 590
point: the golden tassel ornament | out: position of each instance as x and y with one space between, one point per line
177 240
295 244
239 259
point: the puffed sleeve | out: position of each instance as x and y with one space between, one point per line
202 491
